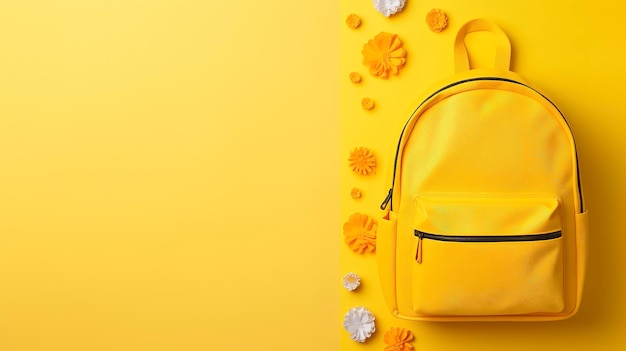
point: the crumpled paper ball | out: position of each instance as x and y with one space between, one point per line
389 7
359 322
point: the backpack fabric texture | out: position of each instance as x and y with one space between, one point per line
484 219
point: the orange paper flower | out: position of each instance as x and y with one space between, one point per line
362 161
356 193
437 20
367 103
360 233
384 55
353 21
397 339
355 77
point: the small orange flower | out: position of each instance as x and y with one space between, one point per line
360 233
437 20
367 103
355 77
362 161
384 55
356 193
397 339
353 21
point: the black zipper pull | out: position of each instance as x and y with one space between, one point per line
418 252
386 200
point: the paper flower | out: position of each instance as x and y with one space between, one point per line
389 7
359 322
437 20
367 103
351 281
362 161
355 77
360 233
353 21
355 193
397 339
384 55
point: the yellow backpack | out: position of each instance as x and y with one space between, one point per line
485 217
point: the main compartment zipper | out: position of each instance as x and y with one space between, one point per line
479 239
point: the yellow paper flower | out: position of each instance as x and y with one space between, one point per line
356 193
397 339
355 77
360 233
353 21
437 20
362 161
367 103
384 55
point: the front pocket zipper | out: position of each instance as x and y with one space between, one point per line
486 254
479 239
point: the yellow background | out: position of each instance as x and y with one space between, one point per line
169 169
573 52
169 175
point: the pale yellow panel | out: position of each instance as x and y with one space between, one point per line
168 175
571 50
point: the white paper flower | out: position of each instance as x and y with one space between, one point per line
359 322
389 7
351 281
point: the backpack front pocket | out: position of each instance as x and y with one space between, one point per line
487 255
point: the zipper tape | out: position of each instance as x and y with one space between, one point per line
479 239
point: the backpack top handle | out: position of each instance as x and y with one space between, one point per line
503 50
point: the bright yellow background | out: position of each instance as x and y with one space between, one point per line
573 51
168 169
169 175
